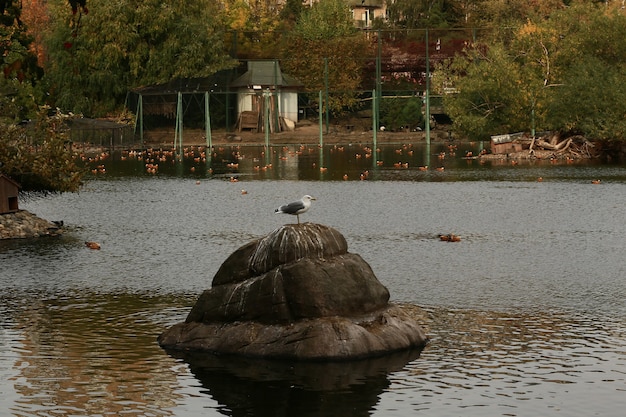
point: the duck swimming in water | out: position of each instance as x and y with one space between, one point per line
450 238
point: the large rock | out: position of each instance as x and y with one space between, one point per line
24 224
296 293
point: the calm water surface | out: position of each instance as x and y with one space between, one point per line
527 314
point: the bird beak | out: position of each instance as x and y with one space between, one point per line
313 198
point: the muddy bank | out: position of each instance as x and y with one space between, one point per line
305 134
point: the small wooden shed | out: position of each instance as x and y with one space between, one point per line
266 78
8 195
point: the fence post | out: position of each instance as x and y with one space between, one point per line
320 109
266 122
207 123
374 118
427 93
139 118
178 133
376 108
326 89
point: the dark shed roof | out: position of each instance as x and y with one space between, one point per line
218 82
265 73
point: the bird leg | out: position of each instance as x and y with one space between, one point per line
298 216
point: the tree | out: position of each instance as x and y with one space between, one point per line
512 13
20 72
254 27
489 96
591 101
397 113
290 13
95 58
589 96
412 14
563 73
325 45
38 156
34 153
36 19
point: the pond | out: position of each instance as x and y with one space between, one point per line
526 313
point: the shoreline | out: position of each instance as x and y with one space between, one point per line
308 134
23 224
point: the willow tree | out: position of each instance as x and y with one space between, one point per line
94 58
324 48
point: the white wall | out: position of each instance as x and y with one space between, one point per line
287 103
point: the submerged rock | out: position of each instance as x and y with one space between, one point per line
296 293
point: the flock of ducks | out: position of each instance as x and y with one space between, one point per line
231 156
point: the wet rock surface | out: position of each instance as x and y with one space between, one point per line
296 293
23 224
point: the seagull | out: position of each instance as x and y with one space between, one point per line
296 207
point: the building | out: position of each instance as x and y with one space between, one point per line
263 83
365 11
8 195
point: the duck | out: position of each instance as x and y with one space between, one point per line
92 245
450 238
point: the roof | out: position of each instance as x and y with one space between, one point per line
365 3
2 176
265 74
217 82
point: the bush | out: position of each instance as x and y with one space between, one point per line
400 113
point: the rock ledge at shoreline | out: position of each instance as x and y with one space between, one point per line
24 224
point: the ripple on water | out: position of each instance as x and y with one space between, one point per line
515 364
527 317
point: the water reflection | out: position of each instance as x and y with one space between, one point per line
256 387
82 353
352 162
93 354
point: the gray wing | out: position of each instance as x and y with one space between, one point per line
292 208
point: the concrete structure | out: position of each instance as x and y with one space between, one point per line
507 143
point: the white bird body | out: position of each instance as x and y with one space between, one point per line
297 207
